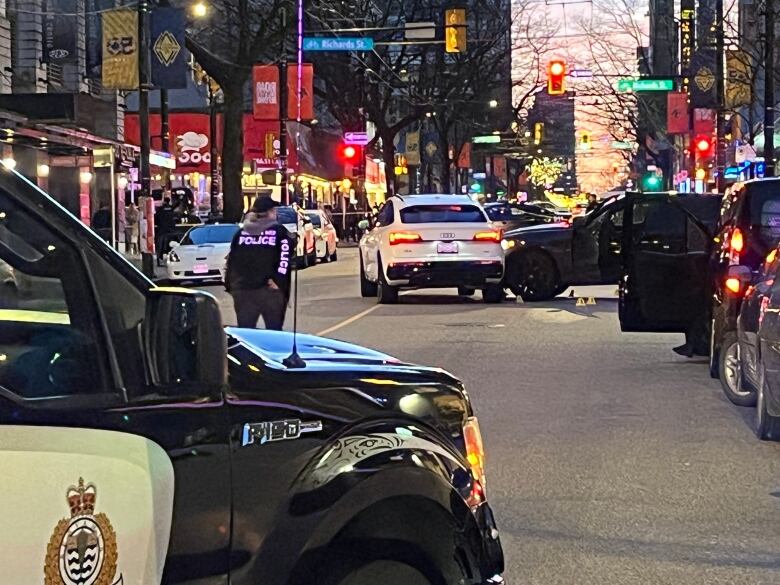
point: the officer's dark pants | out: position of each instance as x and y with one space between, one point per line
250 304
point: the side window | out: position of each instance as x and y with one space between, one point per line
385 215
664 229
50 340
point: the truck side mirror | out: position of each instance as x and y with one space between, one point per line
185 340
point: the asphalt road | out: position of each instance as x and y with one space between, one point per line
610 459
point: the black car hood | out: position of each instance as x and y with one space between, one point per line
545 228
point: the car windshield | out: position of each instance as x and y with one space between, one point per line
286 215
442 214
210 234
315 219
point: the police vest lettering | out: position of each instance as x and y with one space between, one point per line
263 240
284 258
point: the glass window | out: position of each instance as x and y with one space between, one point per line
315 219
500 212
286 215
49 334
442 214
213 234
664 229
385 215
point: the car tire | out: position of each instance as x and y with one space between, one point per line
493 293
466 292
367 288
386 293
767 426
730 372
534 277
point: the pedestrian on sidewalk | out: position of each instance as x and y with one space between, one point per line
258 267
132 216
164 224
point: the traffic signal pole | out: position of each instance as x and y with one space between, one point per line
769 89
145 176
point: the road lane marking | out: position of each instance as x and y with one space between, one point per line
349 321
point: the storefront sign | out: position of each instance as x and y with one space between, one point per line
164 160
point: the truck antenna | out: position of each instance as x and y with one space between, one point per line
295 361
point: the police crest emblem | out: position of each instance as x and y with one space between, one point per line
82 550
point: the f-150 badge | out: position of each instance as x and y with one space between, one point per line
278 430
82 550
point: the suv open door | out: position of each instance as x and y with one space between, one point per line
666 251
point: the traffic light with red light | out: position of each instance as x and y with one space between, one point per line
556 77
349 154
704 146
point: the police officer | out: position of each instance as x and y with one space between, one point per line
259 265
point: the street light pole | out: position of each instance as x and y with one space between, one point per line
147 259
769 89
283 109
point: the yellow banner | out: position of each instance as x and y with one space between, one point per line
738 90
120 49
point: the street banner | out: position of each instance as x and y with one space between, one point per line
60 25
413 148
464 158
703 88
120 49
94 35
169 59
307 92
677 118
265 92
430 146
703 121
738 91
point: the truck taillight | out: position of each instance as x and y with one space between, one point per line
489 236
734 285
404 238
475 452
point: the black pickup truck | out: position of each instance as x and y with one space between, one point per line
140 442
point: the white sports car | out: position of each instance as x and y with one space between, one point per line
200 255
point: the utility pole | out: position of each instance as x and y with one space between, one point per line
283 109
213 164
165 131
147 259
769 88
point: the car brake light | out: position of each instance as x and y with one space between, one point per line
733 284
737 241
404 238
475 452
491 236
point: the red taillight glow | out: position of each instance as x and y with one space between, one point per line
475 452
491 236
734 285
404 238
737 241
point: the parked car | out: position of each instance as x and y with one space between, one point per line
431 241
201 253
748 229
325 238
157 445
544 260
298 224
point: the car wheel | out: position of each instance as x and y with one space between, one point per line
466 292
730 372
535 277
367 288
386 293
767 426
493 293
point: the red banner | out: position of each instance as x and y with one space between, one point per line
265 92
677 121
703 121
464 159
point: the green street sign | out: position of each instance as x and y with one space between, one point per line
489 139
622 145
627 85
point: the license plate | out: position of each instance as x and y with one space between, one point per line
447 247
200 269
